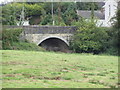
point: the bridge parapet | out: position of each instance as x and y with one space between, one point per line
49 29
35 29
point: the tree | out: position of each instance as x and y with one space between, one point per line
115 34
8 15
89 38
11 12
67 13
86 6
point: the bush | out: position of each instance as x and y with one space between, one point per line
10 41
89 38
114 34
9 36
113 41
111 51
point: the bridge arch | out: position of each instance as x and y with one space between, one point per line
53 37
54 43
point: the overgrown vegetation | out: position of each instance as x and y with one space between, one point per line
11 41
87 6
64 12
11 13
31 69
9 36
114 35
89 38
92 39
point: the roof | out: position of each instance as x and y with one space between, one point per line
100 4
86 14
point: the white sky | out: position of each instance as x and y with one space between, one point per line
42 0
3 1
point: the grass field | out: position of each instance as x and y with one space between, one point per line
30 69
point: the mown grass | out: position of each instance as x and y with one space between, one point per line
32 69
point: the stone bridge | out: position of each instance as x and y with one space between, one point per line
54 38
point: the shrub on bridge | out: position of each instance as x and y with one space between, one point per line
89 38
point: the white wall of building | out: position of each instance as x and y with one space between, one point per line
110 11
110 8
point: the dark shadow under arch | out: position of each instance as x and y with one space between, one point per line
54 44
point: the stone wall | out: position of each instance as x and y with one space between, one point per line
33 29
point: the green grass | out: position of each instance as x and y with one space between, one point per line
27 46
32 69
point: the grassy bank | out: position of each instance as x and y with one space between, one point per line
30 69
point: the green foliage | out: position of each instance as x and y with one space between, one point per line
10 41
111 50
26 46
114 39
9 36
67 14
11 13
8 15
34 9
86 6
114 34
47 20
89 38
117 22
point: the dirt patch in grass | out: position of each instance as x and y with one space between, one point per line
53 78
9 75
12 63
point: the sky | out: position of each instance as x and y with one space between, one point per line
4 1
33 0
1 1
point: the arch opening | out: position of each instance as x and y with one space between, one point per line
54 44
